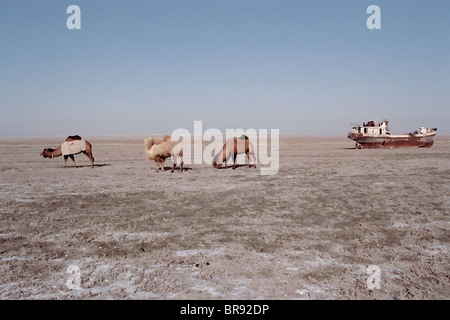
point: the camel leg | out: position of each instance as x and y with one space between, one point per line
65 160
181 161
234 161
89 155
174 163
252 156
157 162
226 160
73 159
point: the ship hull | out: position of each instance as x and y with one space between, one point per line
392 141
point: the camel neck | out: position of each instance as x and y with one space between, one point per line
57 152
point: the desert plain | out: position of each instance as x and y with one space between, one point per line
334 223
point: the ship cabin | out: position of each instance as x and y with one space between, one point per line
372 128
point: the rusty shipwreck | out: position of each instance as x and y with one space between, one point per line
374 135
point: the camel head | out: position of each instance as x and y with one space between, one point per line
216 165
47 153
149 142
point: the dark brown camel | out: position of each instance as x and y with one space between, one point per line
52 153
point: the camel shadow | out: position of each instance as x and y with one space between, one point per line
237 166
88 166
176 169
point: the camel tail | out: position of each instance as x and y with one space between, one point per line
251 150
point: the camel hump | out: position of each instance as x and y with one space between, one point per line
75 137
163 139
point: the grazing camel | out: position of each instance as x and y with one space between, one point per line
71 146
233 147
159 149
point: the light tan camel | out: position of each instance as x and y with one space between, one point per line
232 147
159 149
52 153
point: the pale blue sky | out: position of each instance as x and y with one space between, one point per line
141 67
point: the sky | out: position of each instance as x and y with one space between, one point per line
141 67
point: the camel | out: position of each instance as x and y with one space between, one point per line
232 147
85 145
159 149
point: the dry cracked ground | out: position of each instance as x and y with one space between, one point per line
334 223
